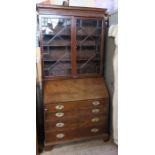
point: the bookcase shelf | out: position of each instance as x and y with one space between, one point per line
59 37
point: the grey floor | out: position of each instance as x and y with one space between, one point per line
93 147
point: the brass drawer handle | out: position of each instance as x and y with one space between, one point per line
95 119
59 114
60 135
95 103
60 125
94 130
59 107
95 111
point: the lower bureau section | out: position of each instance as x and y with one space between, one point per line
75 109
77 133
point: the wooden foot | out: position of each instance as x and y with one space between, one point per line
48 148
106 138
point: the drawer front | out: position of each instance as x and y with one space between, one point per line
93 130
59 136
60 125
70 106
93 120
77 133
55 107
103 109
92 103
61 115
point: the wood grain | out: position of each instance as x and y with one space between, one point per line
74 89
68 106
89 111
75 92
72 11
88 122
76 133
68 124
73 42
73 114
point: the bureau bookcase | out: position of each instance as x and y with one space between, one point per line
75 96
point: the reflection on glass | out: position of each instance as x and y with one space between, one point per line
88 45
56 36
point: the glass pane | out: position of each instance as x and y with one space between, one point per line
88 45
56 34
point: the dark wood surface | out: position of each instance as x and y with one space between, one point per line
73 39
69 106
36 144
93 110
104 136
102 48
72 13
68 124
76 121
71 10
53 78
58 91
75 100
102 120
63 115
75 112
76 133
76 104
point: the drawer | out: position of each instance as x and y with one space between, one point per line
55 107
93 130
58 136
93 120
61 115
103 109
60 125
77 133
92 103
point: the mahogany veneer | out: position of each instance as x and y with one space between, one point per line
75 106
75 90
75 96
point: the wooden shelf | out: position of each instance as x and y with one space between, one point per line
45 69
82 55
87 60
68 43
68 35
88 31
58 43
57 66
57 50
72 45
55 33
54 60
84 31
68 60
57 72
